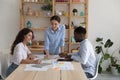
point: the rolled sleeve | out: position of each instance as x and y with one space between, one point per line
46 44
82 55
62 43
85 55
75 57
17 55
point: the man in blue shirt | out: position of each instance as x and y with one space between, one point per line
54 37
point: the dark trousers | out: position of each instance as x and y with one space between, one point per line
11 68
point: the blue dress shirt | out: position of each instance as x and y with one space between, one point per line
54 40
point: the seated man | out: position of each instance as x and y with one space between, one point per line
85 55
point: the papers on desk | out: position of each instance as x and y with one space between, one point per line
63 66
44 66
42 57
37 67
49 63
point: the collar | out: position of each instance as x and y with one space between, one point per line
54 31
83 41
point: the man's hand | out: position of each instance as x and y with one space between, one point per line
68 56
63 55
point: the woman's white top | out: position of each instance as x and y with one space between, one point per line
20 52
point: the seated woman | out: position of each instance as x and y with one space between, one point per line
20 52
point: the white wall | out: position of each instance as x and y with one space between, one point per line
103 21
9 22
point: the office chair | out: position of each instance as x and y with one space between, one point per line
98 57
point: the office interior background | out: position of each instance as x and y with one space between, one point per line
103 21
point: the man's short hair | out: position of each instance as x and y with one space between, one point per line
80 30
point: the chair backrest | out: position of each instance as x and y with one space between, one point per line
5 62
98 57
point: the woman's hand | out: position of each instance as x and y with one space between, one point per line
37 61
31 57
46 56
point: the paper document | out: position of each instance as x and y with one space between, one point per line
37 67
63 66
42 57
